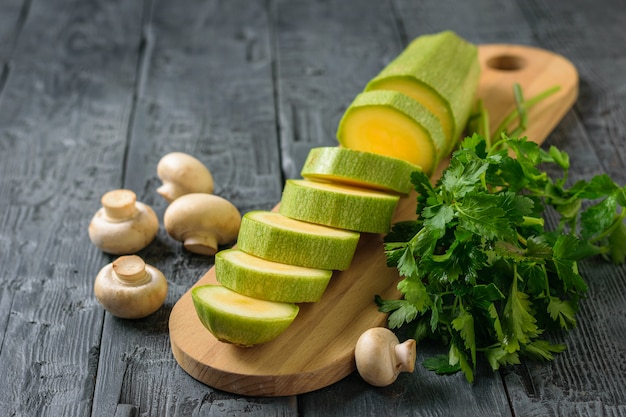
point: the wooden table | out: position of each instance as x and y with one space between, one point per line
93 93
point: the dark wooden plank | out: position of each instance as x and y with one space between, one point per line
597 53
63 120
326 52
65 108
207 90
12 17
588 379
481 21
10 27
204 87
421 393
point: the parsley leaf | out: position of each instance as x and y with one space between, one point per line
441 365
520 325
480 271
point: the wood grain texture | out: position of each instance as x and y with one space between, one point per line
12 15
320 342
589 378
93 92
421 393
10 25
204 87
62 110
326 51
479 21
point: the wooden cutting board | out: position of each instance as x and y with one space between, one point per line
318 349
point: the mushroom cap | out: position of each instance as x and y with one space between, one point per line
123 225
129 288
183 174
202 222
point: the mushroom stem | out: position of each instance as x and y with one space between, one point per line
406 355
130 270
201 243
119 205
168 191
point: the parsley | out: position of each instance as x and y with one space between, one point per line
480 271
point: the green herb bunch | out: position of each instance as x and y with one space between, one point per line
479 270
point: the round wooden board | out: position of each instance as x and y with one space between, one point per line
318 348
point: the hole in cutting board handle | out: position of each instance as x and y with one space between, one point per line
506 62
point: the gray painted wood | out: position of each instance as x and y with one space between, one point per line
481 21
421 393
11 22
326 52
589 379
93 93
62 123
204 87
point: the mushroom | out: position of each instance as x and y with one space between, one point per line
380 357
202 222
182 174
129 288
123 225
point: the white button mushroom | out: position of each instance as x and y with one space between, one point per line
202 222
123 225
183 174
129 288
380 357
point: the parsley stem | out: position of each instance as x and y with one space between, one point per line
521 111
514 283
532 221
479 122
524 106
